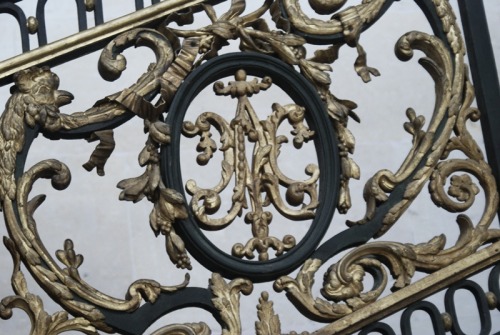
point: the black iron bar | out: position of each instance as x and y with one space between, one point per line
484 76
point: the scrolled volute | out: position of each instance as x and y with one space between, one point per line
184 329
427 145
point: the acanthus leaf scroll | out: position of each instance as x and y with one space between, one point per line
260 177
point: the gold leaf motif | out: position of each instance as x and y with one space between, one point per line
41 321
299 291
38 89
184 329
227 300
269 323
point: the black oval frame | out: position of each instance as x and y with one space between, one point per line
302 93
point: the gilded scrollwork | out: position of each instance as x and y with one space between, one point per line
41 321
184 329
348 23
427 145
35 102
269 322
226 298
299 291
343 286
343 282
255 35
261 175
66 283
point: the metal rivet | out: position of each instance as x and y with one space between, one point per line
447 320
492 300
89 5
32 24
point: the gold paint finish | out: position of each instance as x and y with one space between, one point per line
226 298
89 5
415 292
447 320
32 24
345 303
269 322
492 300
260 177
184 329
103 32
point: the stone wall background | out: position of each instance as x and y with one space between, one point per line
115 238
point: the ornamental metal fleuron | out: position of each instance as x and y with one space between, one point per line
274 97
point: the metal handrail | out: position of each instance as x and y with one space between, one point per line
89 40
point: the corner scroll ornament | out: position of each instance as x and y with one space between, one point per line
226 298
34 107
426 162
41 321
261 176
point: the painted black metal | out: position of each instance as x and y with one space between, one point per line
494 283
435 315
334 38
139 4
42 26
429 10
486 82
304 94
377 327
481 302
485 77
82 14
137 322
134 323
98 13
431 310
85 131
18 14
360 234
377 276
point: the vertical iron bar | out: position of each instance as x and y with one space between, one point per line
484 76
98 13
139 4
42 29
82 15
18 14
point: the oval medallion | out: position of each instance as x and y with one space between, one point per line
249 168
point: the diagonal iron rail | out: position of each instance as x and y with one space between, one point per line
421 289
90 40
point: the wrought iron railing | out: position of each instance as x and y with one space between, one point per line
273 71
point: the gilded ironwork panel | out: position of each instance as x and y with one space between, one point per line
290 51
